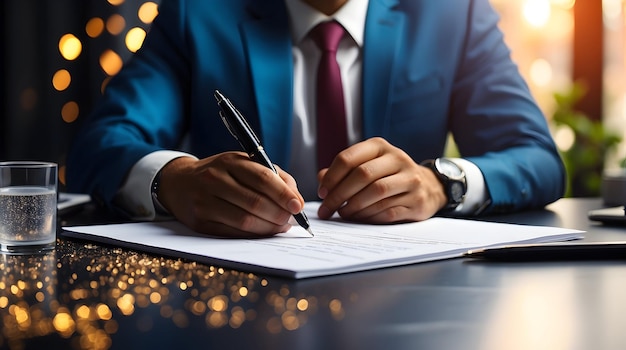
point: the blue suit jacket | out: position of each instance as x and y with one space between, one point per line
429 67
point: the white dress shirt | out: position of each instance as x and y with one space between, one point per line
135 195
306 56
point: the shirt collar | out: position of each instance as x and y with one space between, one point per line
351 16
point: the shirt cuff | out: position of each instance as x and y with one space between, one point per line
476 197
135 195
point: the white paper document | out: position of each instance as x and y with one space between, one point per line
338 246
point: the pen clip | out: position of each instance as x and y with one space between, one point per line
247 127
225 121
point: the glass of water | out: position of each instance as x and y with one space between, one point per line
28 206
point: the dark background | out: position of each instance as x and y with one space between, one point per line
31 124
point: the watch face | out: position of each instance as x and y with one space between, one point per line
448 168
456 191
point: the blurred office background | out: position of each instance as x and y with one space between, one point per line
58 55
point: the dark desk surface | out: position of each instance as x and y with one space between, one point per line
84 296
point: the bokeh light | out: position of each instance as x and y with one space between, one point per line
537 12
61 79
134 39
111 62
564 138
94 27
115 24
541 72
147 12
70 47
103 28
70 111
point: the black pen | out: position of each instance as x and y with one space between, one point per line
241 130
552 252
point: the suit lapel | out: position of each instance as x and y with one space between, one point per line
268 42
383 32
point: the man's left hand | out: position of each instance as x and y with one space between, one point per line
376 182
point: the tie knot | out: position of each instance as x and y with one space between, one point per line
327 35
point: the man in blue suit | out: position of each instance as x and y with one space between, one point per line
412 71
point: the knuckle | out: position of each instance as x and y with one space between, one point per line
365 172
210 174
381 188
380 140
380 206
392 214
414 181
254 202
228 159
266 176
247 223
344 157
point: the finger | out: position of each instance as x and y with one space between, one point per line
291 182
347 160
235 179
368 182
228 220
393 214
384 211
371 198
320 174
415 193
265 192
209 199
394 209
250 201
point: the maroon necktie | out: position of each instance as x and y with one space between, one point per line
332 135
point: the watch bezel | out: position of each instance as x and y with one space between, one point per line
449 180
439 165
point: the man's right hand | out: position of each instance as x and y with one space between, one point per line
229 195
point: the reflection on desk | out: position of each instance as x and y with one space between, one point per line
87 296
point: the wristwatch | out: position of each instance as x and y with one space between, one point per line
154 191
452 177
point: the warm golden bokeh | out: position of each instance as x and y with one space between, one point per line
99 28
539 32
541 36
111 62
115 24
70 111
94 27
61 79
134 39
89 304
70 47
147 12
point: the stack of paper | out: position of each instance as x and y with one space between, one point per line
338 246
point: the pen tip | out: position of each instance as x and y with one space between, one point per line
310 232
218 96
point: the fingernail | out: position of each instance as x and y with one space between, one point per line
322 192
294 206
